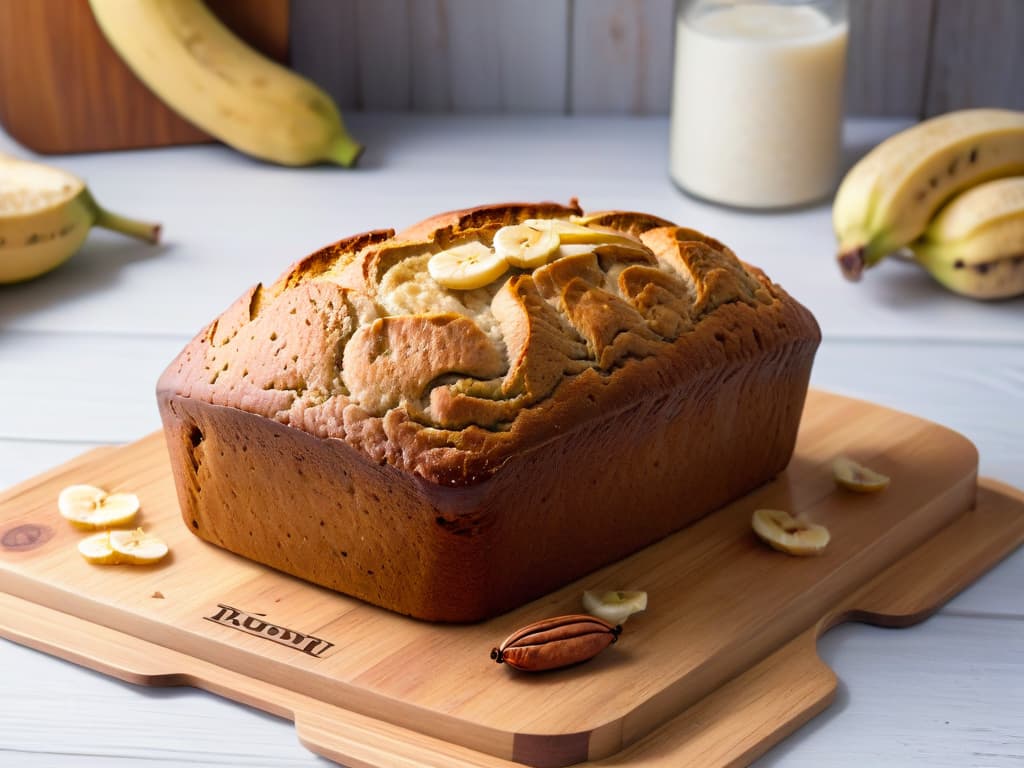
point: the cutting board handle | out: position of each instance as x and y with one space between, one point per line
766 703
920 583
357 741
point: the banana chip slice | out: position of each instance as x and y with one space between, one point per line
526 246
122 547
467 266
570 233
90 508
792 535
856 477
615 606
96 549
137 547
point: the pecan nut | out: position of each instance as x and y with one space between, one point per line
557 642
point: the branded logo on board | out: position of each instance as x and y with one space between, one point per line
254 624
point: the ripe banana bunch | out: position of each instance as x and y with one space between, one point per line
45 215
975 246
199 68
887 199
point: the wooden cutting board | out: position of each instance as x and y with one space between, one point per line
719 668
64 89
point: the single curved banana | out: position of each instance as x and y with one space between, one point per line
887 199
975 245
199 68
45 215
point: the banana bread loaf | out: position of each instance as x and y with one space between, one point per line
457 419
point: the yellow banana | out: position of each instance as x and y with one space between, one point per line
199 68
975 246
887 199
45 215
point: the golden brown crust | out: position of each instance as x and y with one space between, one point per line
631 222
446 228
390 362
333 256
441 453
454 389
717 422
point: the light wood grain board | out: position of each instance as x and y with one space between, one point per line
731 726
435 680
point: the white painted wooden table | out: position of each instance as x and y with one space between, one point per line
80 352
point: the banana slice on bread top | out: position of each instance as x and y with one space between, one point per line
451 337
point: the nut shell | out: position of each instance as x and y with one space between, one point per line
557 642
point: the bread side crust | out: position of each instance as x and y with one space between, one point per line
608 484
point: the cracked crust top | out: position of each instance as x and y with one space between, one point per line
357 342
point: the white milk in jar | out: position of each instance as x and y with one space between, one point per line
757 100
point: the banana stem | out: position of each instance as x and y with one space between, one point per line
852 264
344 151
143 230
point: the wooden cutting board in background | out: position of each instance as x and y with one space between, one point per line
64 89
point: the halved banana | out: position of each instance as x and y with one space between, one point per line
96 549
856 477
467 266
615 606
137 547
792 535
89 508
526 245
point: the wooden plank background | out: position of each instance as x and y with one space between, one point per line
907 57
984 38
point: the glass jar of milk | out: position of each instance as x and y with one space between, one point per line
757 100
